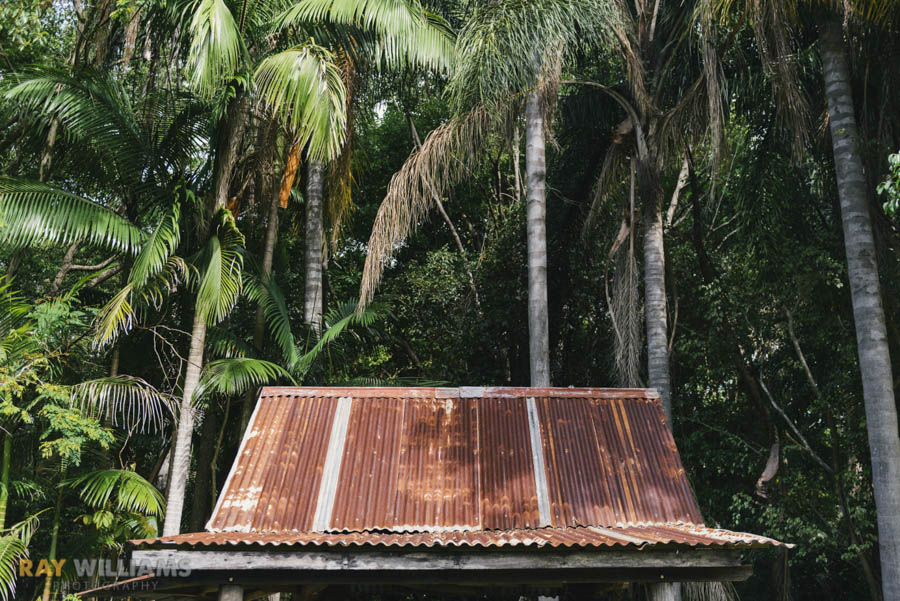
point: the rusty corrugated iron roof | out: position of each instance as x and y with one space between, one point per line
581 537
458 466
426 459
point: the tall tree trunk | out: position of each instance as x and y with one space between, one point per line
4 476
181 459
203 476
226 157
259 325
313 302
868 313
54 538
655 281
536 197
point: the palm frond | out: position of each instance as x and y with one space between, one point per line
94 109
157 248
115 317
278 320
36 213
12 548
337 320
217 47
124 399
13 309
232 377
506 45
223 344
303 86
120 314
133 493
446 154
26 528
406 34
220 280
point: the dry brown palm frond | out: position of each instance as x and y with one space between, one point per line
684 119
715 89
624 303
771 21
626 311
613 173
447 152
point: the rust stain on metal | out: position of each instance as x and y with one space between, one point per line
447 466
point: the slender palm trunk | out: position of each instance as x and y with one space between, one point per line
54 538
4 477
313 302
259 325
200 506
868 313
655 282
226 157
181 460
536 196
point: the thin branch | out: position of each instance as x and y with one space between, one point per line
803 442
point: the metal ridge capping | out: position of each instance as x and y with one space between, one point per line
471 466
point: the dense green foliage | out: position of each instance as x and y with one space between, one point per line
114 116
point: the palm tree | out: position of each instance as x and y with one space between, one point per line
773 23
147 165
492 85
868 313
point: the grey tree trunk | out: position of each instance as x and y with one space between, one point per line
536 198
868 313
259 326
655 283
313 302
226 157
181 460
664 591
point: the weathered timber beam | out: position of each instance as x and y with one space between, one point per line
204 584
355 560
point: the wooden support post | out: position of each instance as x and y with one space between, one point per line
664 591
231 592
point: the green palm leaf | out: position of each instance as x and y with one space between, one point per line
232 377
223 344
406 34
303 86
339 319
36 213
115 317
222 264
155 252
12 549
94 108
121 313
124 399
270 296
133 493
217 48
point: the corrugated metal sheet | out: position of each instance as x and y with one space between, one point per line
583 537
457 466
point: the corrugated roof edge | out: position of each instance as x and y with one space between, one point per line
660 535
461 392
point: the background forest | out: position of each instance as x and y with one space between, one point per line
196 194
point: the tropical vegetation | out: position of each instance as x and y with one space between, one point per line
202 197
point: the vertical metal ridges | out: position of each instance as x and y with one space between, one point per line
332 468
537 455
